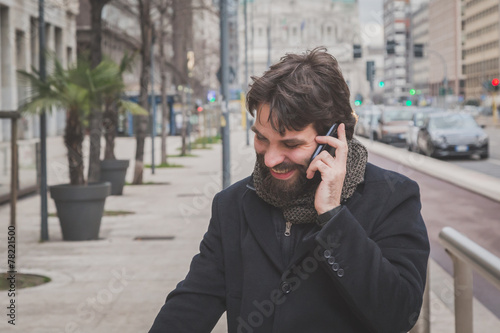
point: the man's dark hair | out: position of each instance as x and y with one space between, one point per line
304 89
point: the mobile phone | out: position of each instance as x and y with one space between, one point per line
331 132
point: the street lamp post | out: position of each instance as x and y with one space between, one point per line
224 45
153 101
246 70
43 126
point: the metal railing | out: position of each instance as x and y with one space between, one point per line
467 256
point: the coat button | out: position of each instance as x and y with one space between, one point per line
327 254
331 260
335 267
340 273
286 287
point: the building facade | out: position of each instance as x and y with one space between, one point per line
445 51
420 65
281 26
481 49
396 62
19 46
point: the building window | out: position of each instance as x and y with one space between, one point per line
69 55
58 40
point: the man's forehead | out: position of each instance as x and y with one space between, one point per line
264 127
265 118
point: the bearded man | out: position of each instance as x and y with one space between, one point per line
335 244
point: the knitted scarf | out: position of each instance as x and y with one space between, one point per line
301 208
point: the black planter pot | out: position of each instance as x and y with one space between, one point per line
114 171
80 209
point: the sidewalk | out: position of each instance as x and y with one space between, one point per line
118 284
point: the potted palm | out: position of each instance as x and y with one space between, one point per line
79 205
114 170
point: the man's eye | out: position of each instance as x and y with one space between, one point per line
291 146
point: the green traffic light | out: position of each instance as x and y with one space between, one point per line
381 84
412 92
357 102
408 103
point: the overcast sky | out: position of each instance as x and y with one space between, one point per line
371 19
368 9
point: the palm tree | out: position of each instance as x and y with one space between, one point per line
77 90
113 105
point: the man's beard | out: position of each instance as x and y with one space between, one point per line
290 189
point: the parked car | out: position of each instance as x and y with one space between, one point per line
393 125
452 134
417 121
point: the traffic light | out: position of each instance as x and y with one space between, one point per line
370 70
408 103
495 83
211 96
356 51
391 47
418 50
492 85
358 100
413 92
381 84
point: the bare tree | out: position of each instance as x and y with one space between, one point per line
141 122
182 42
96 7
163 9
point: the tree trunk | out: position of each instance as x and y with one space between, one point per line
141 122
95 145
163 90
110 122
165 116
96 7
182 23
73 139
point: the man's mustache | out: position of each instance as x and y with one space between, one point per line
282 166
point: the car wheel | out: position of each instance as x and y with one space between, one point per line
484 156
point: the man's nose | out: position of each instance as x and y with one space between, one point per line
273 157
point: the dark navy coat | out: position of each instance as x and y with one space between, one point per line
364 271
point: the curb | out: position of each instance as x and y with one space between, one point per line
474 181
